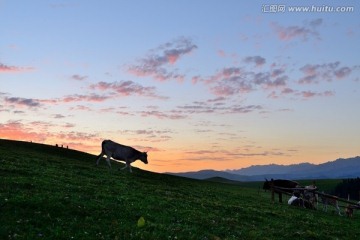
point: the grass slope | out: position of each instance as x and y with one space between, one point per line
54 193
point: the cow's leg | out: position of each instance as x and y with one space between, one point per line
338 209
108 161
99 157
124 167
127 165
324 206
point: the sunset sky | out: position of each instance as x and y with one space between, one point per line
199 84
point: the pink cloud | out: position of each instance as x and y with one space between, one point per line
93 146
295 94
287 91
308 94
124 113
5 68
258 60
225 73
316 22
22 102
81 108
78 77
108 110
315 73
49 101
277 82
218 99
342 72
58 116
328 93
84 98
148 135
127 88
217 107
40 131
36 103
277 72
69 125
195 79
17 130
87 142
234 80
304 32
173 115
77 136
112 90
221 53
158 64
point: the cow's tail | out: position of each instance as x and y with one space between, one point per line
103 145
102 151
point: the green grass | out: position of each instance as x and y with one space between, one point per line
54 193
326 185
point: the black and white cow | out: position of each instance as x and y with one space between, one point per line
120 152
326 201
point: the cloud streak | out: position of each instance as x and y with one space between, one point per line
315 73
13 69
305 94
111 90
210 107
303 32
93 97
22 102
149 135
78 77
127 88
258 60
172 115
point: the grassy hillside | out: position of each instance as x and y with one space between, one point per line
54 193
326 185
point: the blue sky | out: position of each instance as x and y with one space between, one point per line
198 84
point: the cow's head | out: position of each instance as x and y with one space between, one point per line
266 185
143 157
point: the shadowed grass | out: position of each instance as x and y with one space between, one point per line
54 193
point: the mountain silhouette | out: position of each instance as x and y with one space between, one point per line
338 169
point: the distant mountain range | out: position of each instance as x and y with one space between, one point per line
338 169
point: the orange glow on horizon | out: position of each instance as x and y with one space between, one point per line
176 161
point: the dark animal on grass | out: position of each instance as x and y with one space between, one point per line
310 196
329 201
295 200
349 211
122 153
298 200
280 183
